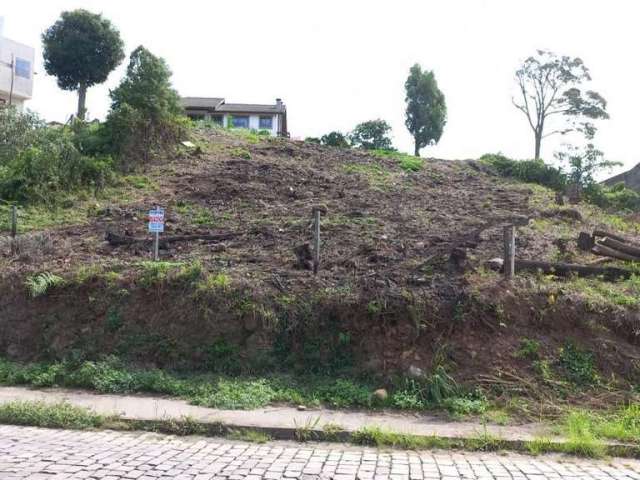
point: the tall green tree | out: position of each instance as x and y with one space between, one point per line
147 87
426 113
81 49
146 116
372 135
551 87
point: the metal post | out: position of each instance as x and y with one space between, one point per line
156 243
13 77
509 251
14 221
316 240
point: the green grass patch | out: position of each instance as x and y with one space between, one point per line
248 435
408 163
220 390
154 273
376 174
49 415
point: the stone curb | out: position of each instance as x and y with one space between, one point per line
216 429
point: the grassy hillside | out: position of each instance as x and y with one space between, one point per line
402 286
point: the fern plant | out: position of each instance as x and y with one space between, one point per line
40 284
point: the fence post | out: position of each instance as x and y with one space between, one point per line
316 239
509 251
14 221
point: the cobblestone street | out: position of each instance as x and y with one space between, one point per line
42 454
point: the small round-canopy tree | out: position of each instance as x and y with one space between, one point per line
81 49
372 135
550 85
426 113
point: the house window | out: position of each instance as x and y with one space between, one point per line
266 123
196 116
241 121
217 119
23 68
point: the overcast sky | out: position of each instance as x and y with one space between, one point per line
337 63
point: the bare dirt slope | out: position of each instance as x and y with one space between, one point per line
401 281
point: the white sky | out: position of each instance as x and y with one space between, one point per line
337 63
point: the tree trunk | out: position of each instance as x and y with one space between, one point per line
82 100
538 145
416 150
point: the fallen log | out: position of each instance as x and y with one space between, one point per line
605 251
566 269
620 246
116 240
604 233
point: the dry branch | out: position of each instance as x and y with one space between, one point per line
116 240
565 269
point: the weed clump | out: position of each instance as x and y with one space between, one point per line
42 283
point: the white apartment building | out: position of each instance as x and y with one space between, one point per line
16 71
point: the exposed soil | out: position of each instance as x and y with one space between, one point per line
400 270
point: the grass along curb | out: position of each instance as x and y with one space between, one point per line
67 416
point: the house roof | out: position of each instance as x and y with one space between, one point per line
250 108
219 105
201 102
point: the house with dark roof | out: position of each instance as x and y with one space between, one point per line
272 118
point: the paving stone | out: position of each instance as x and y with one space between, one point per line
42 454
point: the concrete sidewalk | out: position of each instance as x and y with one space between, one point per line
142 407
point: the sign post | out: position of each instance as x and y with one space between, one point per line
156 226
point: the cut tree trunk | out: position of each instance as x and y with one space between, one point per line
566 269
585 241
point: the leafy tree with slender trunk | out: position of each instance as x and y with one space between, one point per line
81 49
426 113
550 87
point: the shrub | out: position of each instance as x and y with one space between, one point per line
617 197
372 135
335 139
578 364
45 163
17 132
530 171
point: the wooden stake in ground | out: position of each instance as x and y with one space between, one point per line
509 251
316 239
14 221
